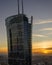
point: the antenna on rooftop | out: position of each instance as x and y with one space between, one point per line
18 8
22 8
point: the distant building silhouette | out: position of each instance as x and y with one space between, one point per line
19 31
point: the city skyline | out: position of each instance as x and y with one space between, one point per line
41 10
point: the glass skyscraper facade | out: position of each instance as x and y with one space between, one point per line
19 40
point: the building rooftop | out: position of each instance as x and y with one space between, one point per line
19 18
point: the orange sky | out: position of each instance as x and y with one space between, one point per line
3 50
34 51
43 44
42 51
44 47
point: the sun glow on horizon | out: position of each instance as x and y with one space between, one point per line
42 51
44 47
45 51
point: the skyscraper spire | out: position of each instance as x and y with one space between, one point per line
18 8
22 8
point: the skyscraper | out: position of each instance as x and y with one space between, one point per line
19 31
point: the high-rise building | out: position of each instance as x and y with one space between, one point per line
19 31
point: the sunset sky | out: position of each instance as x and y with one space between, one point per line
41 10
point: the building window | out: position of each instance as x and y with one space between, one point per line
20 33
10 34
20 55
19 27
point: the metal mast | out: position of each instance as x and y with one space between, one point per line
18 8
22 8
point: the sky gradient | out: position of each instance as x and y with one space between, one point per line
41 10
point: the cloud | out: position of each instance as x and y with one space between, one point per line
45 29
49 48
43 21
43 44
38 35
49 33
